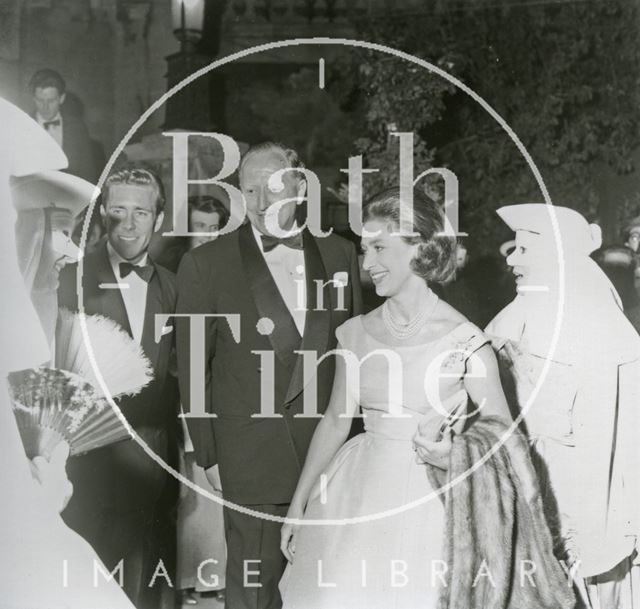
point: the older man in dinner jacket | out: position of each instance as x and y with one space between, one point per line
252 274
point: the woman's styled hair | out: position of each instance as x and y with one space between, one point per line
436 259
209 205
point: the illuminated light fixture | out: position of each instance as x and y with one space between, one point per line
188 19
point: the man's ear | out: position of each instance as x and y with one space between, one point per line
62 98
158 223
103 212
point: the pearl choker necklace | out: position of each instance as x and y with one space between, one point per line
412 327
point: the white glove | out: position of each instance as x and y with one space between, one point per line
52 477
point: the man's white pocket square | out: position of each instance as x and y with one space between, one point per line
166 330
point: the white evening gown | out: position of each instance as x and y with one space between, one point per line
385 561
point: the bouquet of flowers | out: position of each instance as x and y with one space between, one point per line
68 402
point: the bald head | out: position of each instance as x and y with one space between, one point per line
288 156
260 191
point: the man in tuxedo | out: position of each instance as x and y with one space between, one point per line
262 279
48 91
121 499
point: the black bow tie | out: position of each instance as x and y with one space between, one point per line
54 123
269 242
144 272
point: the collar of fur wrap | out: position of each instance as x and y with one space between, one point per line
495 528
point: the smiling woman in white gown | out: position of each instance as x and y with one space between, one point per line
366 526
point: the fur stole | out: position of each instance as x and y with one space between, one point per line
497 546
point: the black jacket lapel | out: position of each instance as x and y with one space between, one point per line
317 326
109 296
285 338
155 305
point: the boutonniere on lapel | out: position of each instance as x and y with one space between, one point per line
340 281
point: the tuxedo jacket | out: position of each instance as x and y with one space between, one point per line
123 468
78 147
260 458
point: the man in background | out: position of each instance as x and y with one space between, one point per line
631 237
48 91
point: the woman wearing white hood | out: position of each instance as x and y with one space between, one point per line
42 562
573 361
49 204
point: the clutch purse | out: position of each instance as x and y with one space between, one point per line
452 421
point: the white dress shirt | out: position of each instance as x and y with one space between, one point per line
55 131
288 271
134 292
